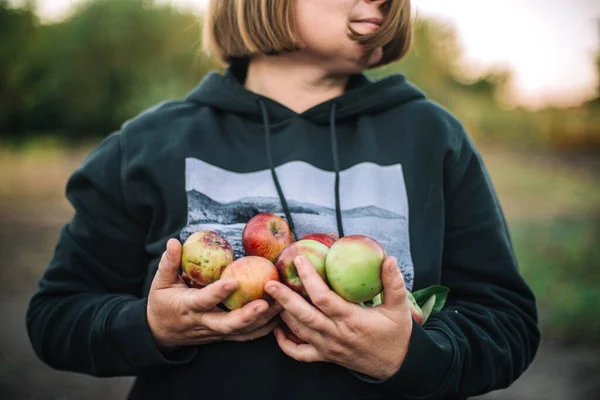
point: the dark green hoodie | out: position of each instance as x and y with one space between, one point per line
380 160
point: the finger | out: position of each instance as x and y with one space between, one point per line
273 311
299 329
167 274
236 321
300 352
210 296
258 333
325 299
394 288
291 335
297 306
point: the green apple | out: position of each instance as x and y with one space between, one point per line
353 268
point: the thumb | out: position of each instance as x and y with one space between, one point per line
394 288
168 269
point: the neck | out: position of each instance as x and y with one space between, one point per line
297 86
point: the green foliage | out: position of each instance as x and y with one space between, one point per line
560 259
104 64
436 66
110 59
438 292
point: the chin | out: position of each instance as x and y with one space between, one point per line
354 63
374 58
361 64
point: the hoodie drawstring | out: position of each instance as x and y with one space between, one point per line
336 167
284 204
336 164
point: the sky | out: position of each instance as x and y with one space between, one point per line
548 44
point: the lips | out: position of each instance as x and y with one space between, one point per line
366 25
373 21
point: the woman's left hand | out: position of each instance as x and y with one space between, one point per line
372 341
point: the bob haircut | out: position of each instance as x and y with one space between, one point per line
239 29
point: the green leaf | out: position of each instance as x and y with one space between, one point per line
377 300
412 301
440 292
427 308
374 302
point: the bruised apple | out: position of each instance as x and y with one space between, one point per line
204 255
314 251
251 274
353 268
265 235
188 281
327 239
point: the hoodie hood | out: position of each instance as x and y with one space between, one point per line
363 96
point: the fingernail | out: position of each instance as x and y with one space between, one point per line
271 288
298 260
393 264
259 308
229 286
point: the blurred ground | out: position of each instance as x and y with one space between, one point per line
32 209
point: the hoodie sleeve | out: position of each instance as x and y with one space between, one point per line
487 334
89 315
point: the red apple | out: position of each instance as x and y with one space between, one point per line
311 249
353 268
251 273
265 235
326 238
204 255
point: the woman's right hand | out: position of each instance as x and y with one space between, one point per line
181 316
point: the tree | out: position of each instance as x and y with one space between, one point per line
104 64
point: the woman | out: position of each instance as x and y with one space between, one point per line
293 127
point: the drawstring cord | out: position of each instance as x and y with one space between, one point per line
336 166
284 204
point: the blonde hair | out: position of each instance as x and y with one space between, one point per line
238 29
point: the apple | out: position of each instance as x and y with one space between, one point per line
326 238
311 249
251 273
188 281
353 268
204 255
265 235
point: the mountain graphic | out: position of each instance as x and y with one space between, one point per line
203 209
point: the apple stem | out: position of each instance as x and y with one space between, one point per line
274 230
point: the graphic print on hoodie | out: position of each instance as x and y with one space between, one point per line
223 201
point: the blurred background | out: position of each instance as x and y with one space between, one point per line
523 76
